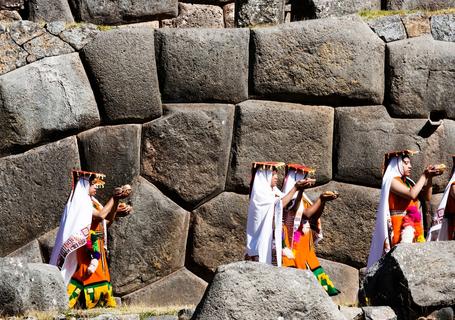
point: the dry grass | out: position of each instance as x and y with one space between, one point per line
373 14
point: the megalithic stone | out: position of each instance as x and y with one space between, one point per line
251 13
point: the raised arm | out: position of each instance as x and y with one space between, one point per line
315 211
110 209
425 180
299 185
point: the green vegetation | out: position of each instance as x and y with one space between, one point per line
104 27
374 14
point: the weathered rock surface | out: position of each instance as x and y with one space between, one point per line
352 313
252 13
28 180
120 12
202 65
180 288
246 290
117 72
49 10
424 272
12 56
46 242
364 134
443 27
12 4
304 62
196 16
48 290
47 45
229 15
419 4
30 252
356 208
150 243
388 28
24 30
7 16
14 286
416 24
114 151
421 77
186 152
272 131
52 96
345 279
79 35
379 313
219 231
316 9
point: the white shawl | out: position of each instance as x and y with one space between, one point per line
264 209
381 234
74 229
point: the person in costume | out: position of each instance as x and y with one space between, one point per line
398 194
80 250
264 223
302 227
444 218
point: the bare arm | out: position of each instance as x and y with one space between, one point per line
452 191
299 185
108 211
403 191
315 211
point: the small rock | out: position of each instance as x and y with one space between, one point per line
55 27
23 31
352 313
416 24
229 15
47 45
185 314
196 16
78 37
379 313
9 16
389 28
443 27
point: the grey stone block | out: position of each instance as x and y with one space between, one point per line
12 4
303 62
379 313
416 24
196 16
272 131
252 13
30 252
14 286
23 31
316 9
12 56
49 10
78 36
117 72
203 65
388 28
47 45
443 27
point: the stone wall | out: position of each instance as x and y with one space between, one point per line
181 114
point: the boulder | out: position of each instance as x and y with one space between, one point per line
44 99
35 187
248 290
345 279
79 35
121 12
420 77
117 72
352 313
181 288
303 62
253 13
49 10
347 224
150 243
388 28
424 272
46 45
14 286
48 290
379 313
219 231
55 27
24 30
202 65
196 16
364 134
114 151
229 15
12 56
443 27
277 131
419 4
186 152
416 24
31 252
315 9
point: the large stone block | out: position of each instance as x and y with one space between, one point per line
114 151
202 65
416 24
78 35
229 15
364 134
181 288
443 27
424 272
121 12
347 223
219 231
276 131
46 45
49 10
388 28
12 56
150 243
14 286
419 4
34 187
305 62
252 13
31 252
49 97
117 73
46 243
24 30
196 16
316 9
248 290
186 152
345 279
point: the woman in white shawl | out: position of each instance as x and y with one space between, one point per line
444 218
265 212
398 193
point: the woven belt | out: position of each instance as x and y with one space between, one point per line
397 213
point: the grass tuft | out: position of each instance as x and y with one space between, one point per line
374 14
